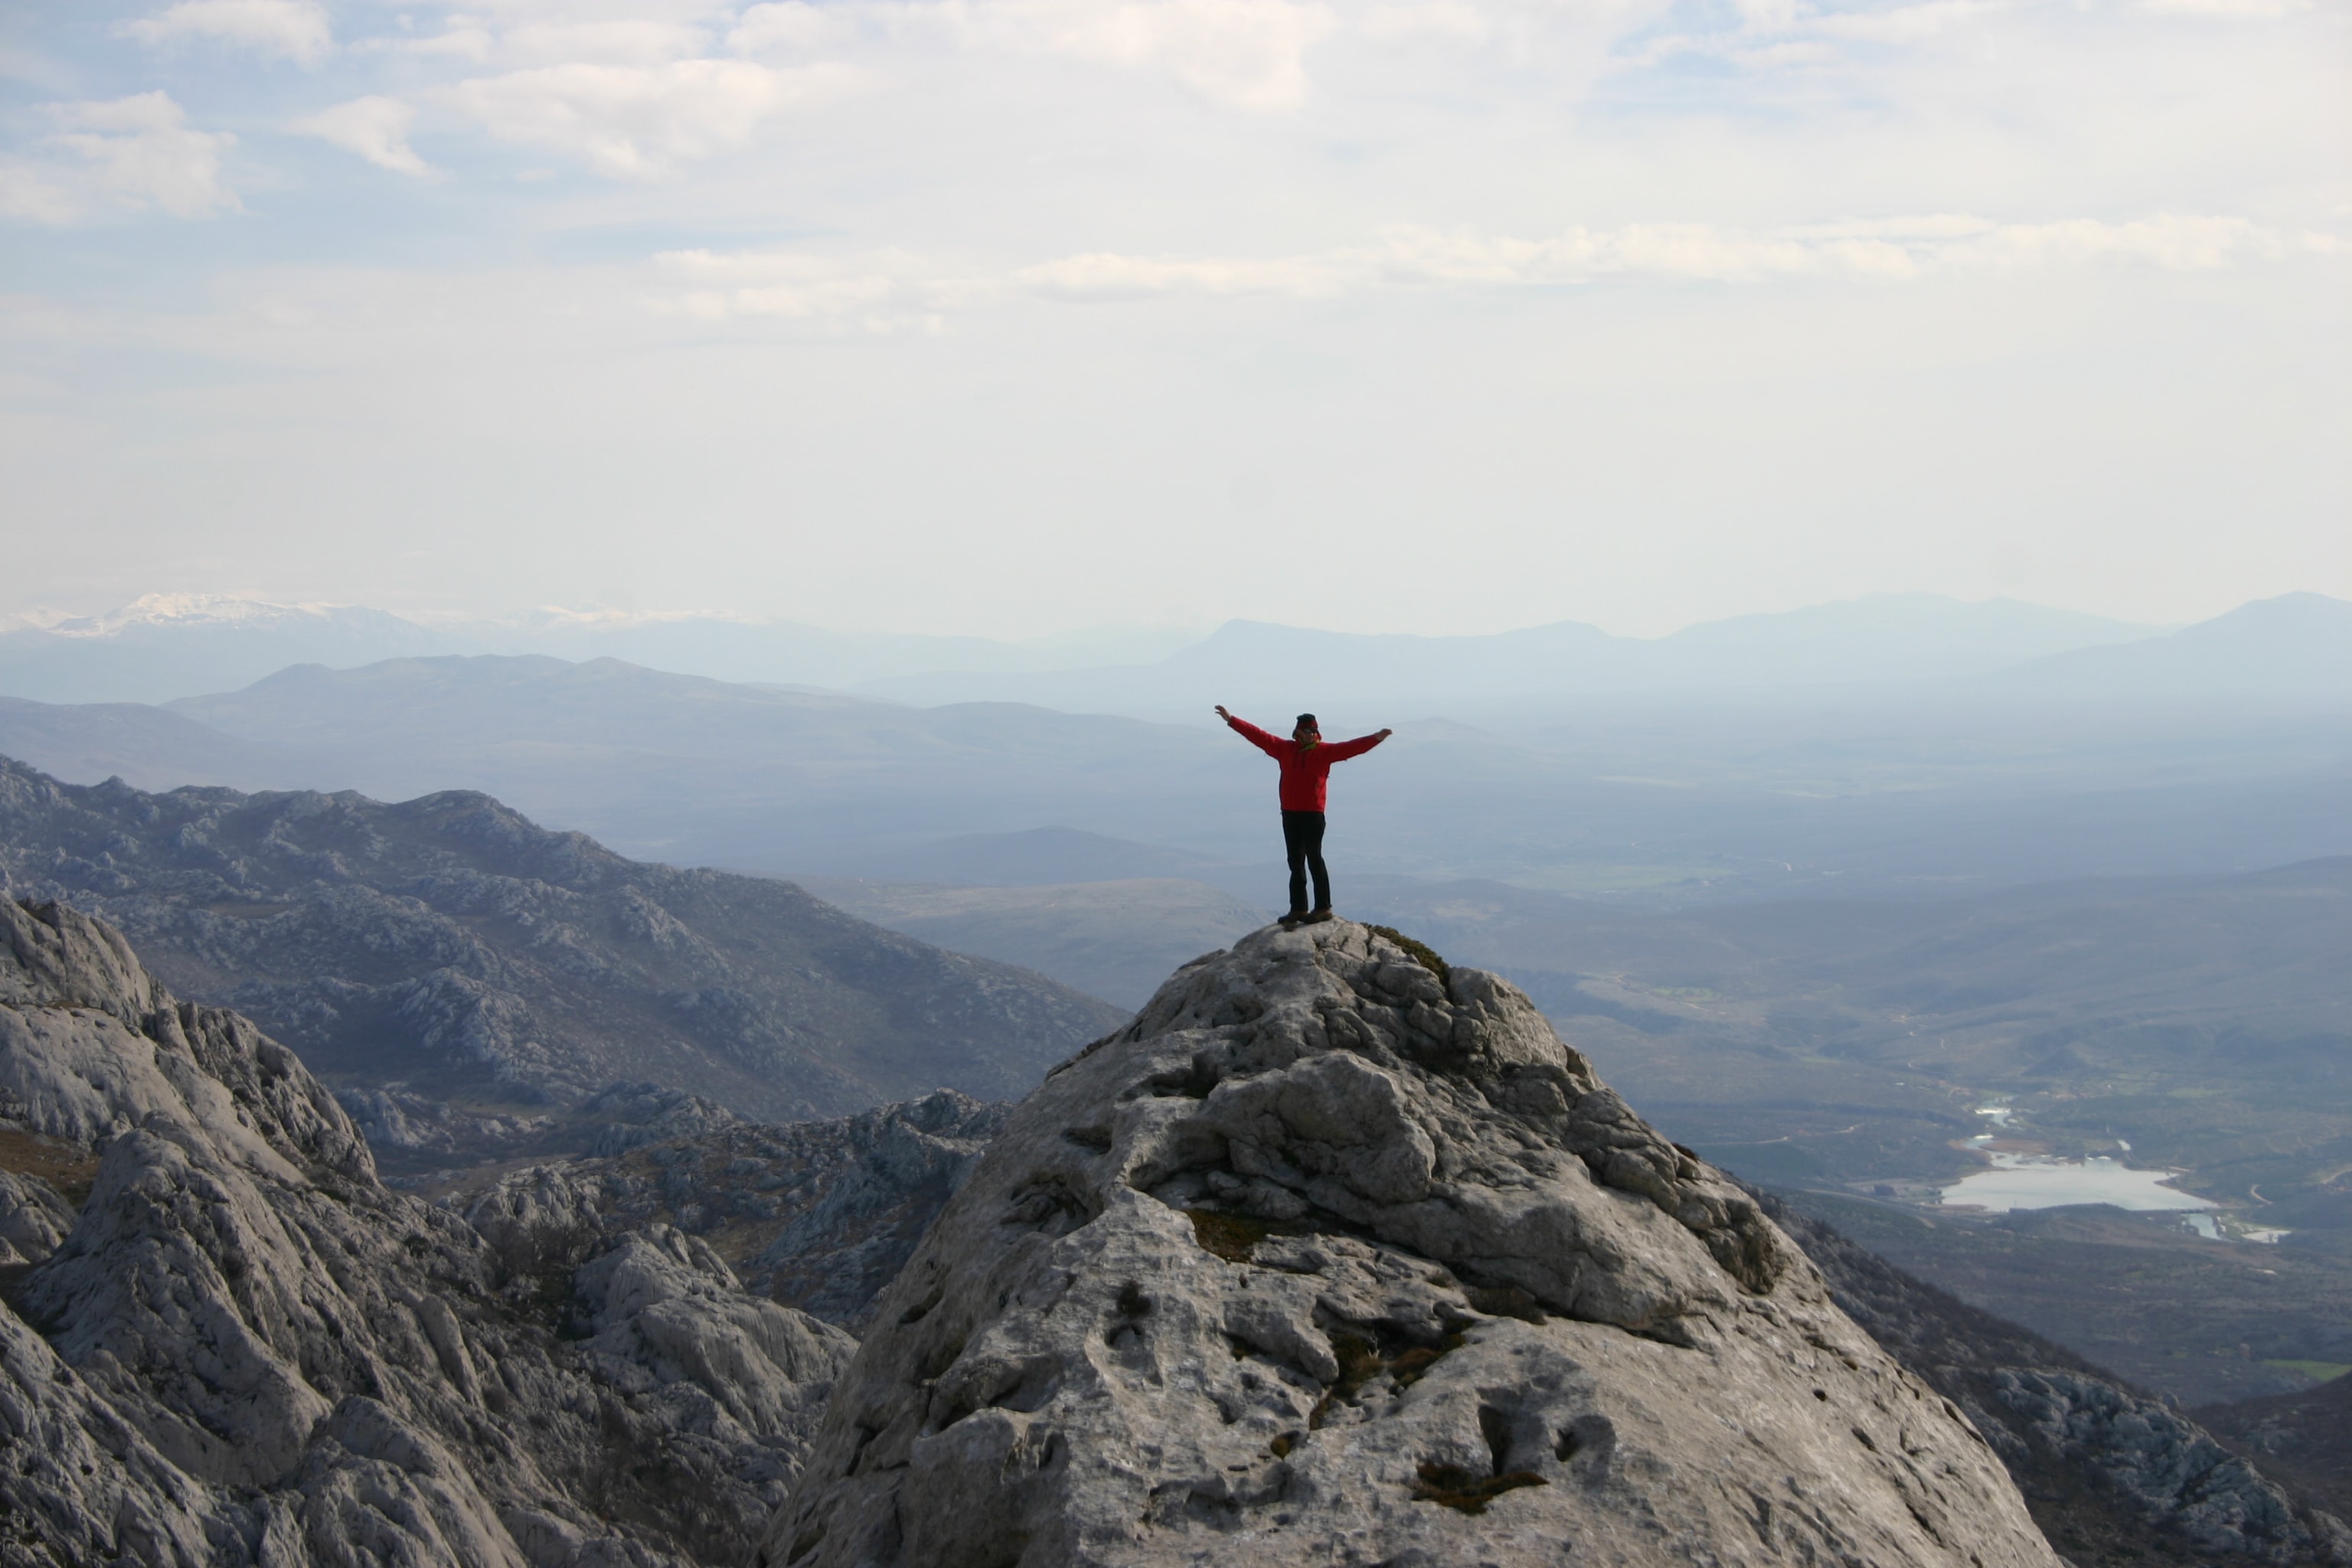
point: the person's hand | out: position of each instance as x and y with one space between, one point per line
1220 711
1386 733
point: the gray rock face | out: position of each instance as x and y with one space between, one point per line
1333 1256
33 1218
245 1349
2162 1460
818 1215
2304 1437
446 949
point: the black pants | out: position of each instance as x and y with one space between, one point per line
1302 839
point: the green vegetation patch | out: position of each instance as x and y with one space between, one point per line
1451 1486
1422 954
2318 1371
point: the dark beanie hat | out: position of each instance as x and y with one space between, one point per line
1308 720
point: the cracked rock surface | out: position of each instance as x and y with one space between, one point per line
239 1347
1336 1255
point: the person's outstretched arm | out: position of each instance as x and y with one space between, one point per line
1356 747
1269 745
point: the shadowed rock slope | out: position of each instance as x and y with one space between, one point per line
226 1342
2117 1477
449 946
2304 1438
1337 1253
818 1215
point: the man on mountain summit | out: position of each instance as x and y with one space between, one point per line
1306 772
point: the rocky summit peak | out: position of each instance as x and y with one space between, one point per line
1336 1252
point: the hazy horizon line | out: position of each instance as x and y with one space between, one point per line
592 617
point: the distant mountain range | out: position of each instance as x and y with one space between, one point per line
167 646
1884 639
176 645
2297 645
180 645
450 947
1890 792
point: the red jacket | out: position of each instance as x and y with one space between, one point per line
1305 769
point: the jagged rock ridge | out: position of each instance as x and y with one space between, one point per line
448 948
818 1214
1335 1254
239 1347
2304 1437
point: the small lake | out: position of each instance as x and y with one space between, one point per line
2040 1181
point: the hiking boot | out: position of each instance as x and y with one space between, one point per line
1294 920
1318 918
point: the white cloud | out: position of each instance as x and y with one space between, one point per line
461 40
896 289
1880 249
638 121
125 153
31 192
1103 275
374 128
627 41
298 29
1450 19
1903 23
787 26
2252 9
1245 54
889 292
1780 35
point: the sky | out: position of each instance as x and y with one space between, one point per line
1009 317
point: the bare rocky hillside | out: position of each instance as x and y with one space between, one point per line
449 948
227 1342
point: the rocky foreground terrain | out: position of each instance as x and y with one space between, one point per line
227 1341
448 950
1216 1287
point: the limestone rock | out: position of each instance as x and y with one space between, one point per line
2169 1465
1334 1256
245 1349
818 1214
670 1315
33 1217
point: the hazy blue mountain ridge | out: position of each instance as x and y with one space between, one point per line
169 647
2295 646
449 946
1880 640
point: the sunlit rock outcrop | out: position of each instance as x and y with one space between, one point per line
1337 1254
